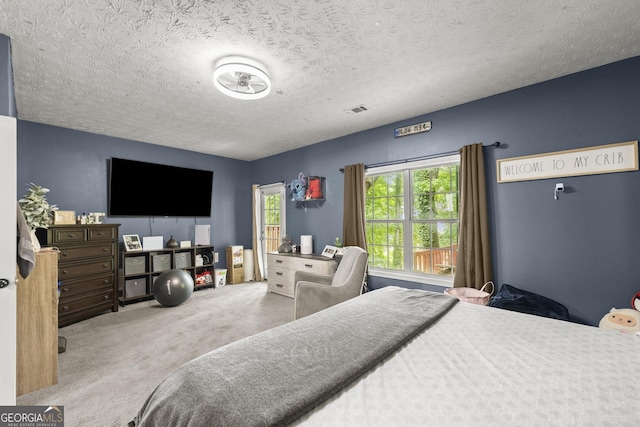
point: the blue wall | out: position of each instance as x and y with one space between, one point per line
74 165
582 250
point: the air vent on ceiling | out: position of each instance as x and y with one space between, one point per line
359 109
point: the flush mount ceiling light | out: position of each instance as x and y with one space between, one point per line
241 81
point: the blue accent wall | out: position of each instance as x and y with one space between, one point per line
74 166
7 99
582 250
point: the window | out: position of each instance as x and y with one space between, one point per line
412 220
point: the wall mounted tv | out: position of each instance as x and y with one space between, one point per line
149 189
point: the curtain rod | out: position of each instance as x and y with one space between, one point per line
414 159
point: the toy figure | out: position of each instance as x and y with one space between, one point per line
635 301
622 319
298 188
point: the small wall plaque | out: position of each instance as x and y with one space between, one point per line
410 130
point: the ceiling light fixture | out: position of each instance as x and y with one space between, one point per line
241 81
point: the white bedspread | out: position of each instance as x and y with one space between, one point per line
485 366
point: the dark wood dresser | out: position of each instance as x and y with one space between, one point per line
87 269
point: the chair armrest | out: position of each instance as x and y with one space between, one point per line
312 297
311 277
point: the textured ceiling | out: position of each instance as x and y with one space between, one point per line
142 70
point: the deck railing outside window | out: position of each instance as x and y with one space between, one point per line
272 238
436 261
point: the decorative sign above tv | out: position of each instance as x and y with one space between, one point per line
620 157
149 189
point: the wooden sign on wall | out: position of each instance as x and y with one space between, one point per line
620 157
410 130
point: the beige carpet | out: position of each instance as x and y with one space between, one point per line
114 361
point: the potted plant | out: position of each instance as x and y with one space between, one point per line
338 244
37 211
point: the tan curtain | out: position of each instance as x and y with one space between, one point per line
257 253
353 229
473 268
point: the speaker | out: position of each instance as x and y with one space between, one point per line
203 235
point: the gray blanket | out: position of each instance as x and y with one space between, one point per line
274 377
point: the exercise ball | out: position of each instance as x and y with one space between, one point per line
173 287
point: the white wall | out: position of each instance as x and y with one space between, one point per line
8 197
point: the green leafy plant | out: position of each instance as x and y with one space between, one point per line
37 211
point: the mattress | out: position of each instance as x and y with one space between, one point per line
486 366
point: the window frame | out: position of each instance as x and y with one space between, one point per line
406 168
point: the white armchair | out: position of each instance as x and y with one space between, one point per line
315 292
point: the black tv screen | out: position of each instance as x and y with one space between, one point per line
149 189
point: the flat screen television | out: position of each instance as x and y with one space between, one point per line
148 189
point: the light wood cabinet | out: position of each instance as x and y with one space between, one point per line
281 270
37 325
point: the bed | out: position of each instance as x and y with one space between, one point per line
399 356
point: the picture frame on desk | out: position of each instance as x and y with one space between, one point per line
132 242
329 251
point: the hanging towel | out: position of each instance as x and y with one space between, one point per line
26 255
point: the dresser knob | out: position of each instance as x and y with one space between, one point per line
279 273
65 308
308 265
106 297
65 272
65 289
65 254
71 235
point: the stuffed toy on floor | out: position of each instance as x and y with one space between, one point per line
622 319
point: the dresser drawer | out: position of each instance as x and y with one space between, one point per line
82 313
72 254
70 288
280 260
68 235
81 303
87 268
102 233
281 275
315 266
281 282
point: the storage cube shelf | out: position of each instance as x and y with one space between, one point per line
139 269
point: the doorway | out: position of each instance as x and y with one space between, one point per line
272 219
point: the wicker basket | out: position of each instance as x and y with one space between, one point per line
472 295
